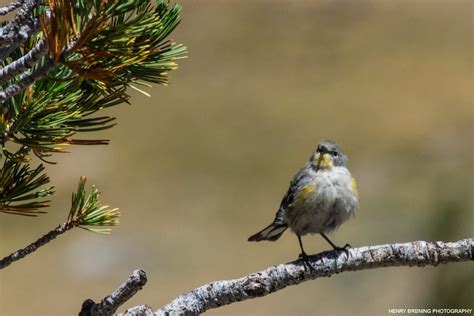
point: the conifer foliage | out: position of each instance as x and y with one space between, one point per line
62 62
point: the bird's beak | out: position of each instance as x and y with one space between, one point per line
319 160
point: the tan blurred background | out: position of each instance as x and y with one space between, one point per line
203 164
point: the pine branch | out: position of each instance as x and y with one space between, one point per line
96 51
86 212
19 29
19 184
26 81
10 7
258 284
19 254
23 63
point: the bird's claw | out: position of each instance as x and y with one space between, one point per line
305 258
345 248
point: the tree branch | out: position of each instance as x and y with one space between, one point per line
26 81
325 264
86 212
19 254
109 304
23 63
18 30
10 7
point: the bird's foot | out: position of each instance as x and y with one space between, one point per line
345 248
305 258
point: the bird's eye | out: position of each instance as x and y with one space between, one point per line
335 154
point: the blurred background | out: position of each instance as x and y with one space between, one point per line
204 163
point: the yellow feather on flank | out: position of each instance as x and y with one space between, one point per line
303 193
354 184
308 189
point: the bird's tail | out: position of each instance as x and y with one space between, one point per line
272 232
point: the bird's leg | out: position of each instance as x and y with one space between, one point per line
346 246
303 253
303 256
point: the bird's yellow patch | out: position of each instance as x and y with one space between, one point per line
354 184
323 161
301 196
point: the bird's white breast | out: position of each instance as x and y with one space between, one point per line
332 201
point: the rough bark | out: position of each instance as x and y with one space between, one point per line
19 29
10 7
25 62
112 302
26 81
219 293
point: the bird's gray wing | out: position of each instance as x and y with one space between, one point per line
273 231
289 198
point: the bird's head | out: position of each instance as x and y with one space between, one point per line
327 155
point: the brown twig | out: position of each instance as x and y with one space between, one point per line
19 254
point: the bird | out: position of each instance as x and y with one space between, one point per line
321 196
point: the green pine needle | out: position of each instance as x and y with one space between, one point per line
87 210
19 184
102 49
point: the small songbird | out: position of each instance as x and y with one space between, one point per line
321 196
